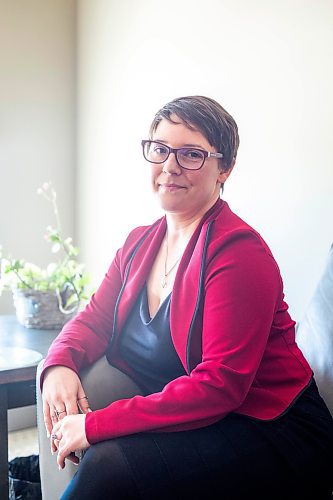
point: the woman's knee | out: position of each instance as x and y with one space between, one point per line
103 473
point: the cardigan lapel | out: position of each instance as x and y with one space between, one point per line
143 257
185 296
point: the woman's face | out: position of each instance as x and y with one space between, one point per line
189 193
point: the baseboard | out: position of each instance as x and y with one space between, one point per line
21 418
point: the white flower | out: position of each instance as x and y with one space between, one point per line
56 247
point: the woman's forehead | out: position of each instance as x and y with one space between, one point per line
176 128
176 123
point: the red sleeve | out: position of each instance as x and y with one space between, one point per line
85 338
242 291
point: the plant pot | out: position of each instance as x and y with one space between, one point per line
35 309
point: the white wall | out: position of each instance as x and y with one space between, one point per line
37 123
37 131
267 62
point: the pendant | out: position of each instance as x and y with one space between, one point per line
164 282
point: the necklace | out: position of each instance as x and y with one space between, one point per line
164 280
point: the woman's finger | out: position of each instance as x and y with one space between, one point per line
82 400
64 408
55 438
83 404
47 418
61 408
73 458
58 412
71 406
63 453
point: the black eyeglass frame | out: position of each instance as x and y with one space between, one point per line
206 154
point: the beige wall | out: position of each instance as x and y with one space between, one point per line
267 62
37 122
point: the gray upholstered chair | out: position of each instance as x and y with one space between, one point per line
315 333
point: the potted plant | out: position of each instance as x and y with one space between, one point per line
47 298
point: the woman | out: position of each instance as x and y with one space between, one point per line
192 309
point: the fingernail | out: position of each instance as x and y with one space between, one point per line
59 467
48 434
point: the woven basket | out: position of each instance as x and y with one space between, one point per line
41 310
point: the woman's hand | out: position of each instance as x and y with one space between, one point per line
69 435
63 395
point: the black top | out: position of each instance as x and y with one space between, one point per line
146 345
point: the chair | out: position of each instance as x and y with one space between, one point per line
314 333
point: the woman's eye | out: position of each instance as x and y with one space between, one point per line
193 154
160 150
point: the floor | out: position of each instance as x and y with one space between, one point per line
22 443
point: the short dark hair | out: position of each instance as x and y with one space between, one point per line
207 116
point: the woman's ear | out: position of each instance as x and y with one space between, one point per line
225 172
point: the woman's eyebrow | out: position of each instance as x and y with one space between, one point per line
183 146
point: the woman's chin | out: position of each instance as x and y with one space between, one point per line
170 202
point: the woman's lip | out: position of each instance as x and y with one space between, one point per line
171 186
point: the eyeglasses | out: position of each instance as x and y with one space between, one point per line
188 158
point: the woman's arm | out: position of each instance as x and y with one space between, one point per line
81 341
85 338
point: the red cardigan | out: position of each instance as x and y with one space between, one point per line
229 324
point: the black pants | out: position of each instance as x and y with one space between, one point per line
237 458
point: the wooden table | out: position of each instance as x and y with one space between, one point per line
17 377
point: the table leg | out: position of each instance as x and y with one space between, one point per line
3 443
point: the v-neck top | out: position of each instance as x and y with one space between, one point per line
146 345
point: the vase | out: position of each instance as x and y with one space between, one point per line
41 310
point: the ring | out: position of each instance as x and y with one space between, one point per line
54 437
57 413
84 397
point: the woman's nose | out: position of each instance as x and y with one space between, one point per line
170 166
